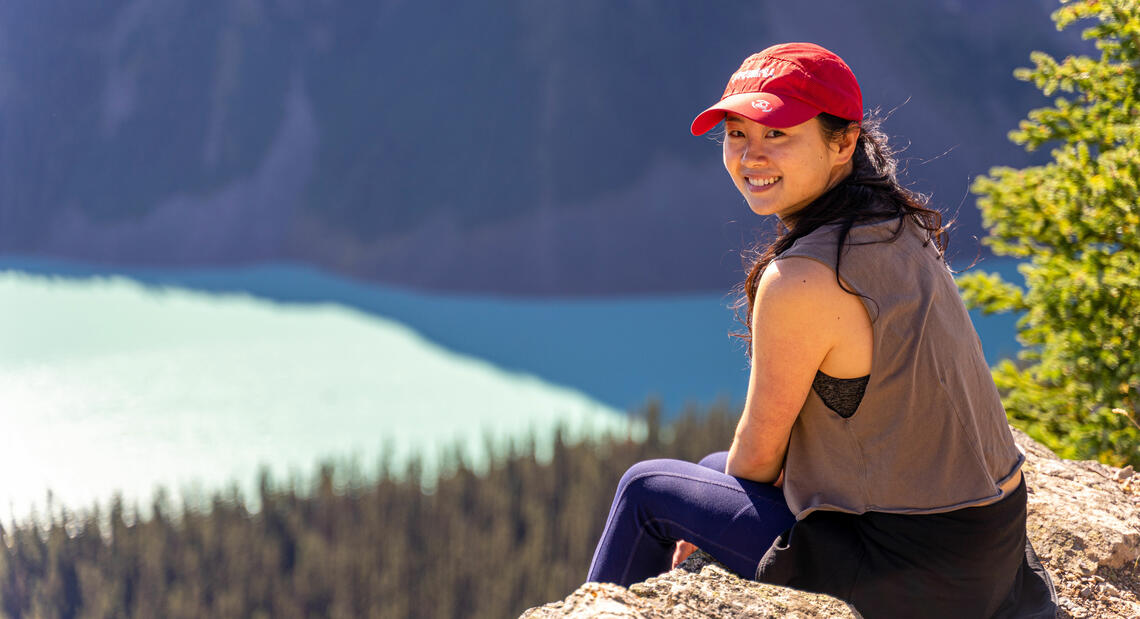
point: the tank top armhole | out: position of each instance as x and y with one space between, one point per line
841 395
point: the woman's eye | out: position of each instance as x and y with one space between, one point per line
735 133
774 133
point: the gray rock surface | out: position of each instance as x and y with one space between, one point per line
1084 522
699 587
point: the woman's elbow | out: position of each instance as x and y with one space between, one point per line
753 466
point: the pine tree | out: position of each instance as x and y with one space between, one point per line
1074 222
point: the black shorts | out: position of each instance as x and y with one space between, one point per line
972 562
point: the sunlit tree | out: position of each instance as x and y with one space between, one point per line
1075 223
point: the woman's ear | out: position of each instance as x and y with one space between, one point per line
847 143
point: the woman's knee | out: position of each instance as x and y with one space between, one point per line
715 461
646 480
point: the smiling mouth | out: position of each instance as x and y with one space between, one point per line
761 182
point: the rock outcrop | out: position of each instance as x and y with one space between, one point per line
699 587
1084 522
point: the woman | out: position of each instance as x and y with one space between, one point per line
872 460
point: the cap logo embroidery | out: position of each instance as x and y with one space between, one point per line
762 105
765 73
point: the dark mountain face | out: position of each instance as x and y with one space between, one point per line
530 147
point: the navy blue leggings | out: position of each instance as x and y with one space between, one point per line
661 501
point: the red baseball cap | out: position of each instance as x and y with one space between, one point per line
786 85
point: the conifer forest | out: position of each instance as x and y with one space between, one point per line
518 533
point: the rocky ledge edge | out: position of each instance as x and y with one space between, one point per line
1084 522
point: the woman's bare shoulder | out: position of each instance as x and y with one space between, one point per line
802 297
791 297
798 279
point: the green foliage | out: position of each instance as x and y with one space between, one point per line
1076 221
519 534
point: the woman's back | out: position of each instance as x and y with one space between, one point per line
930 434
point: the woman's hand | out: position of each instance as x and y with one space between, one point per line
682 552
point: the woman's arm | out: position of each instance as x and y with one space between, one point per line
795 322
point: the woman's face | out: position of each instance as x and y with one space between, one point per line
780 171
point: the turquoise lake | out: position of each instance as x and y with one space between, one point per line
124 381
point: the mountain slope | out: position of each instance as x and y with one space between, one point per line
521 147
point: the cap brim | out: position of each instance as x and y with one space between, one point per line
779 111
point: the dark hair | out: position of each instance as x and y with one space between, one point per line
870 193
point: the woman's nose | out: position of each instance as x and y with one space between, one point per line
753 153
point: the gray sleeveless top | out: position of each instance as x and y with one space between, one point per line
930 434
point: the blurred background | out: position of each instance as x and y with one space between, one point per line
247 235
